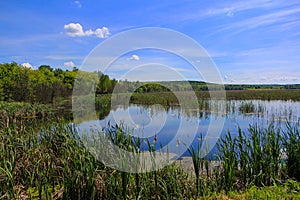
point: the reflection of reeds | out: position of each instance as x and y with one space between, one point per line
202 108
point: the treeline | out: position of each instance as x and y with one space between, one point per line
203 86
261 87
45 84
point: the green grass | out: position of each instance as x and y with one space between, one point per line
47 160
169 98
51 162
267 94
18 110
255 158
289 190
291 144
247 107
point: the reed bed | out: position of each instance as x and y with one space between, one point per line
263 94
259 157
13 112
51 162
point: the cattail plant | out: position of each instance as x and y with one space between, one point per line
291 146
227 153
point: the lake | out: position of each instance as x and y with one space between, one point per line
174 128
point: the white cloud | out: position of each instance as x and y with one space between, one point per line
76 30
102 32
134 57
69 64
79 5
27 65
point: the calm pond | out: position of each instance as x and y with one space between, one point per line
175 128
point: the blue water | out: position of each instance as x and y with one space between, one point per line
175 128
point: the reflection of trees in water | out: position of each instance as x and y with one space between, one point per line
202 109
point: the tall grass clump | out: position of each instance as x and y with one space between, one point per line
251 158
46 163
247 107
291 144
206 174
169 182
227 148
198 161
50 161
18 112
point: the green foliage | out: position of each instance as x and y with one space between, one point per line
46 85
247 107
255 158
105 84
43 85
291 144
272 192
51 162
266 94
13 112
161 98
227 147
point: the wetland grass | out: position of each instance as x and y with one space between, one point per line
49 161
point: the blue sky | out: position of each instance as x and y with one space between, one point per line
256 41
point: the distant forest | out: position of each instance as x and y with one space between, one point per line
46 84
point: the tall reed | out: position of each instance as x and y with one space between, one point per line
227 153
50 161
251 157
291 144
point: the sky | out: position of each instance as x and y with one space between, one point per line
255 41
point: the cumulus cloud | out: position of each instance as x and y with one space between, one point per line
69 64
134 57
102 32
76 30
27 65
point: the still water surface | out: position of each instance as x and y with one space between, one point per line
176 128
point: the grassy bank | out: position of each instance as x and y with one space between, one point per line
51 162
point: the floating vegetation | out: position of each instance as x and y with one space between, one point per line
247 107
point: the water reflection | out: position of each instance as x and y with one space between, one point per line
173 126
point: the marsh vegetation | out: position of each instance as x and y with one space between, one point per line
44 156
46 159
